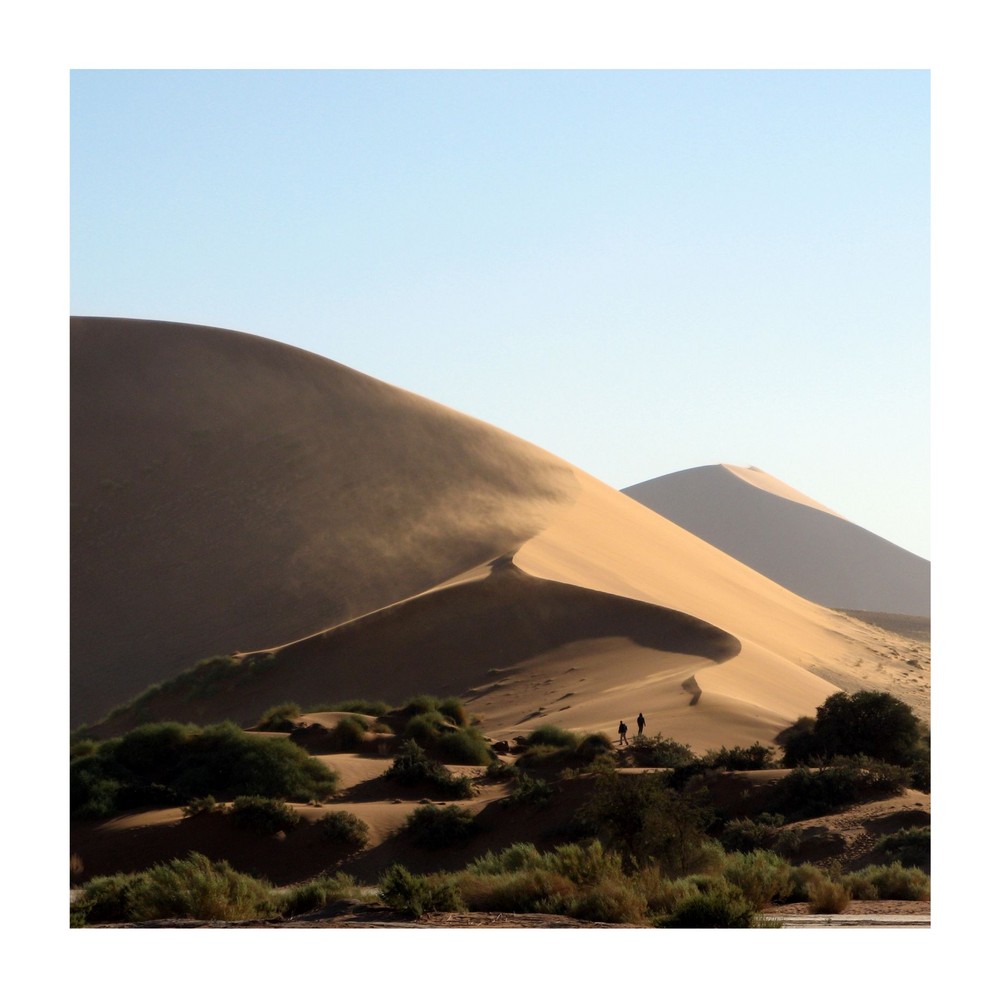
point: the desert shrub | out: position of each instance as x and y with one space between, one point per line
828 898
549 734
316 894
807 793
414 894
263 815
464 746
498 770
662 893
200 805
454 709
529 790
279 718
195 887
762 832
170 763
531 889
722 906
867 723
909 846
762 876
804 878
661 753
344 828
612 900
800 745
519 856
433 827
426 728
755 757
920 769
412 767
890 883
593 745
646 820
105 900
348 734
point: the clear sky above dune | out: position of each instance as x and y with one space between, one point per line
641 271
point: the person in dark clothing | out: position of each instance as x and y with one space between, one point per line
640 722
622 736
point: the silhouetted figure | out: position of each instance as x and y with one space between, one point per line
622 736
640 723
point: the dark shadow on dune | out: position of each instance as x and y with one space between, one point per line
446 642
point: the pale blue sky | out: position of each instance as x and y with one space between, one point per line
639 271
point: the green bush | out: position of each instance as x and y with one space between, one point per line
519 856
105 900
348 734
807 793
549 734
529 790
498 770
370 708
722 906
201 805
195 887
412 767
828 898
263 815
344 828
464 746
889 883
805 877
454 709
171 764
279 718
660 753
316 894
414 894
761 876
867 723
755 757
433 827
909 846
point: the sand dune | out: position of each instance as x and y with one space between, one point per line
234 493
791 538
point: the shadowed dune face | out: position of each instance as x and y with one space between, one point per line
791 539
229 492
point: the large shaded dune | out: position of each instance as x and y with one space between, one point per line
230 492
791 539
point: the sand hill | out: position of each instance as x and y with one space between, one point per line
791 538
232 493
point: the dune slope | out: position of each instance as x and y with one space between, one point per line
791 538
234 493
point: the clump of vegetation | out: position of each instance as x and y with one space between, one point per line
867 723
909 846
370 708
806 793
657 752
279 718
552 747
193 887
201 805
498 770
529 790
263 815
826 897
344 828
168 763
645 819
762 876
414 894
762 832
888 883
722 906
755 757
316 894
433 827
412 767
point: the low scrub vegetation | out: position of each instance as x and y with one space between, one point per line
262 815
344 828
807 793
413 768
910 846
433 827
173 764
763 832
755 757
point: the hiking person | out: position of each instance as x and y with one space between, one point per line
622 736
640 723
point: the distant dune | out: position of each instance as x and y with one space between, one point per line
230 493
791 539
